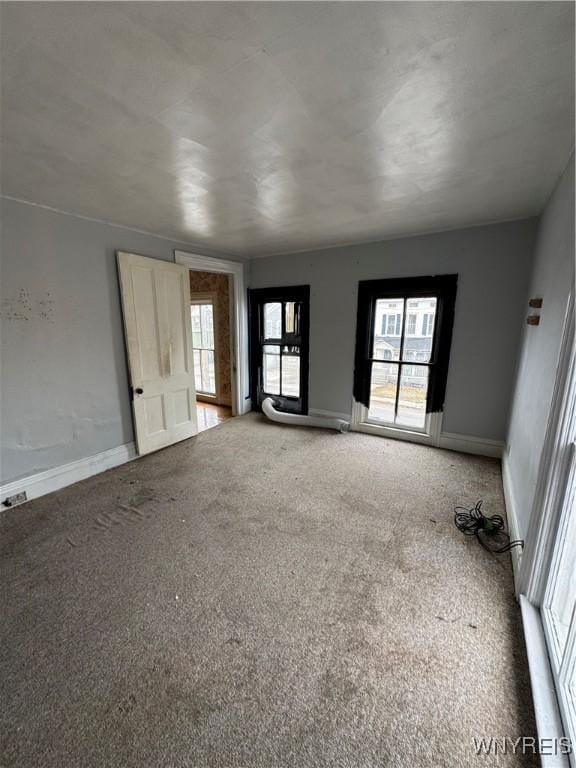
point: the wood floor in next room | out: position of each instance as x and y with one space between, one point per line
261 595
210 415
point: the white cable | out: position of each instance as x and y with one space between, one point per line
304 421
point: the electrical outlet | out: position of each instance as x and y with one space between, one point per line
18 498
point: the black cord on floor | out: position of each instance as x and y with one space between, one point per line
488 530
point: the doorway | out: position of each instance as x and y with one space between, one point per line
279 342
210 316
218 320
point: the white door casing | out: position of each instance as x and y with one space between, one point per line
156 308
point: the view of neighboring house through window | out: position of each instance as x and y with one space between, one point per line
203 347
391 324
427 323
399 386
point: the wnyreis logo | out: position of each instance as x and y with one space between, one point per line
523 745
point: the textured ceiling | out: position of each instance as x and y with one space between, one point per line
257 128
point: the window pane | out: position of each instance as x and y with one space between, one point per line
202 326
197 371
412 398
291 372
273 320
571 688
418 345
563 598
271 369
196 325
208 373
290 317
207 326
383 391
388 329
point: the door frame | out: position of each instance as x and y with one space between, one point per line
238 320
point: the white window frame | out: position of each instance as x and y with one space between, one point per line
430 434
537 568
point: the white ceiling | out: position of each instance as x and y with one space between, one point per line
257 128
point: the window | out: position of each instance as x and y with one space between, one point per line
271 369
281 372
279 346
391 325
427 323
400 374
398 391
280 362
273 320
290 316
202 315
557 534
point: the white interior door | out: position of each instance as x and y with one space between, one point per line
156 305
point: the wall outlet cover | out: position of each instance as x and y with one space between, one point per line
18 498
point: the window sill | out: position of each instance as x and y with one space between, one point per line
394 432
206 398
435 437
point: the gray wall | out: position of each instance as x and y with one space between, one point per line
493 263
64 375
552 278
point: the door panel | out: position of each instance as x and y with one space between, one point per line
156 301
146 363
279 331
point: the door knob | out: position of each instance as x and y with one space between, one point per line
139 391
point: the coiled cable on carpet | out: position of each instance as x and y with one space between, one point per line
488 530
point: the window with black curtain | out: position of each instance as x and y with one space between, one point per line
403 343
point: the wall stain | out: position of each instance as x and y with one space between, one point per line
24 307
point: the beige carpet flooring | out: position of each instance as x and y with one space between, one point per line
261 596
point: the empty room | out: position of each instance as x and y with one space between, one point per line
288 385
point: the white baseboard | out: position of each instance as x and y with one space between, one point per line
467 444
42 483
511 515
328 414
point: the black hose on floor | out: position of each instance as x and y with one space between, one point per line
488 530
